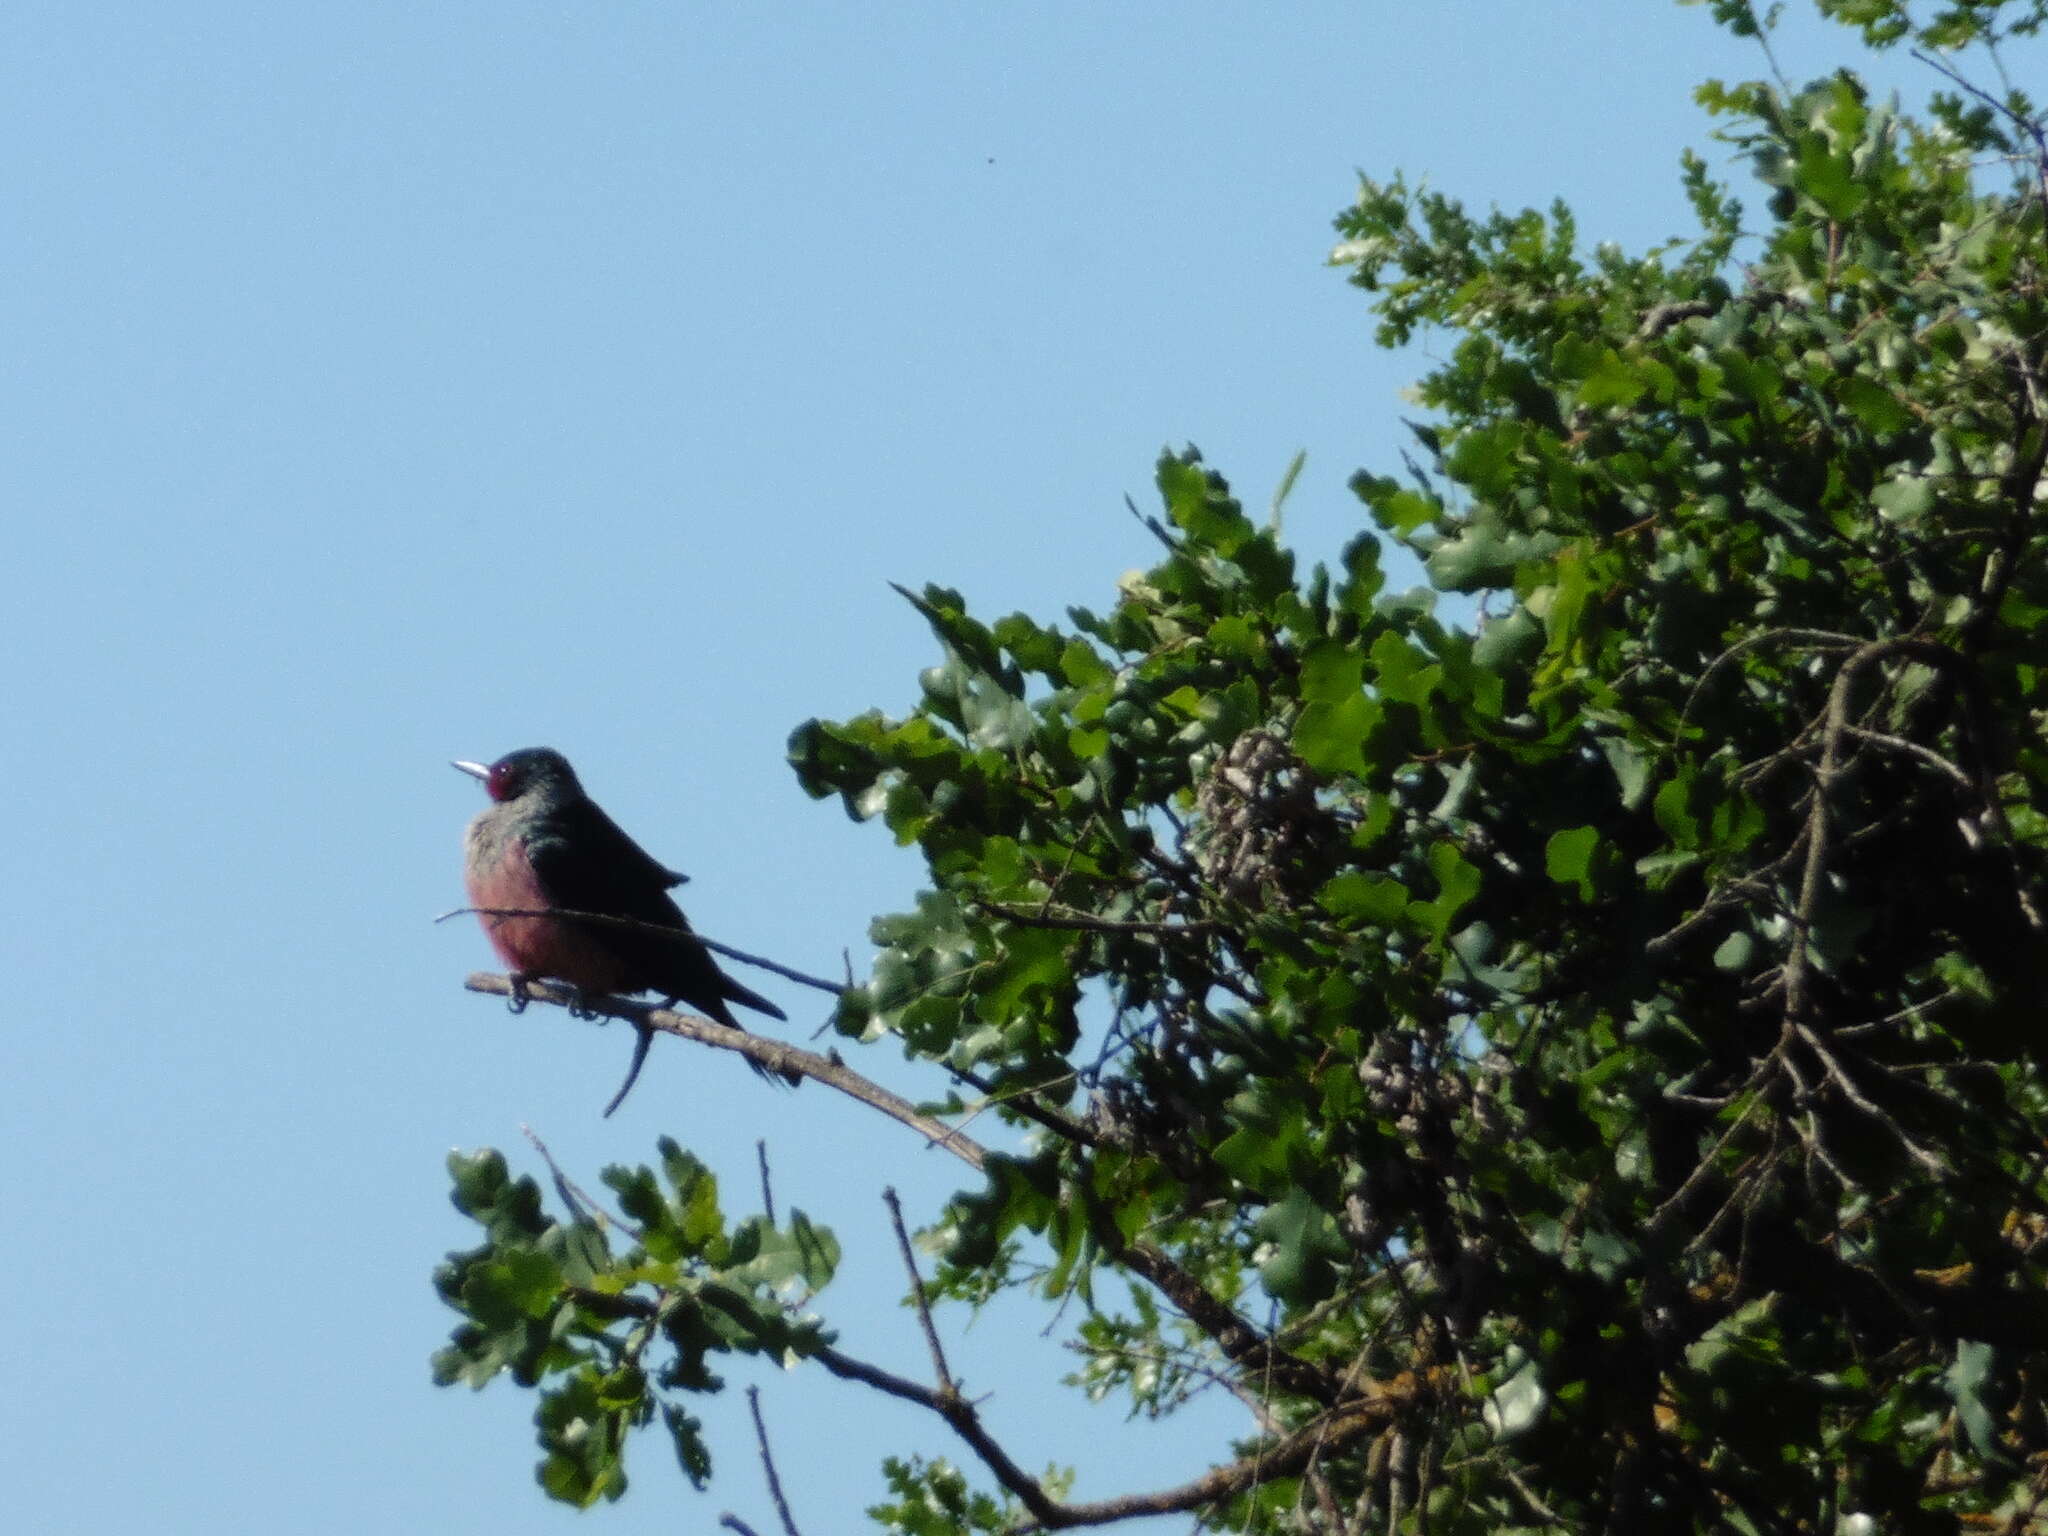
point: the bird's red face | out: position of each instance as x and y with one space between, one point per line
505 779
517 772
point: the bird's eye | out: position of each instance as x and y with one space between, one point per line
502 784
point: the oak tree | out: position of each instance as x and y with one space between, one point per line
1569 1059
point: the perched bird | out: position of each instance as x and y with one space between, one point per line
545 846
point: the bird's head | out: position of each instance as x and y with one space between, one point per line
539 771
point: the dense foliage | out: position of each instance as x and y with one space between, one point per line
1575 1070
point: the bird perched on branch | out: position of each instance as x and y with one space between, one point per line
603 917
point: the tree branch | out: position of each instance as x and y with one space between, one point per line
1067 920
768 1464
1375 1408
663 930
1812 639
2031 127
1241 1343
1913 648
776 1055
924 1305
578 1200
767 1186
1842 1080
1282 1459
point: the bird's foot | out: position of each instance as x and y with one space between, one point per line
517 999
579 1004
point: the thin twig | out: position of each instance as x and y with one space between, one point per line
767 1188
2031 127
1537 1507
1181 1362
1157 529
917 1292
1083 922
1706 1165
1912 1013
1813 639
574 1196
1913 749
1755 888
662 930
1932 1162
768 1464
1024 1101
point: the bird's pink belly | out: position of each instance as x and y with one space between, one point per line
541 946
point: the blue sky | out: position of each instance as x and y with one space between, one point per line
395 382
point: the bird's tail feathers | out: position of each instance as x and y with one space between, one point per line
750 999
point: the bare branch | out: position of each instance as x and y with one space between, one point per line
1811 639
578 1200
1065 918
957 1412
759 962
1840 1077
767 1188
1718 900
1537 1507
917 1292
1026 1103
1926 755
664 930
1157 529
1282 1459
777 1055
768 1464
1364 1412
1681 1196
2031 127
1243 1344
1661 317
1913 648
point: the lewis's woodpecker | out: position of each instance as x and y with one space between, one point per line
546 845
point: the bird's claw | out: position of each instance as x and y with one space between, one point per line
579 1004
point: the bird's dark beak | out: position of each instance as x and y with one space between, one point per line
474 770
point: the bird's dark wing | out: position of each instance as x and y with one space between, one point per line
585 863
579 850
